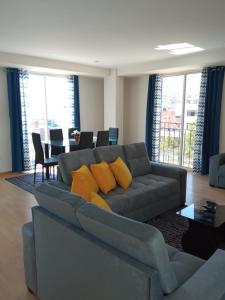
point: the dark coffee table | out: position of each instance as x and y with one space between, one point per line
206 231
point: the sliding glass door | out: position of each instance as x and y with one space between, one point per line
50 105
48 102
180 96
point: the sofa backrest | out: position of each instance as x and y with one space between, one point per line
109 153
59 202
137 159
142 242
135 155
71 161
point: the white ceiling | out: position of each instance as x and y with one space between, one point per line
113 32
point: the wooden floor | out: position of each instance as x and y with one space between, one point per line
15 205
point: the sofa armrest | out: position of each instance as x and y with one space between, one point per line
60 185
215 162
207 283
177 173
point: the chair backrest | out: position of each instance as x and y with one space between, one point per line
39 153
56 134
70 131
114 135
86 139
102 138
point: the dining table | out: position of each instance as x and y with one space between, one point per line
64 143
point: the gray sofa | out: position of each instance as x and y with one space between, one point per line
155 187
76 250
217 170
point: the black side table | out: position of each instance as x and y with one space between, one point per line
206 232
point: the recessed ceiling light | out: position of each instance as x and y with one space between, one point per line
174 46
180 48
186 50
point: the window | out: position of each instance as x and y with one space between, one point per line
48 102
180 96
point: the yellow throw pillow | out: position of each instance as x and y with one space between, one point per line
99 201
103 176
121 172
83 183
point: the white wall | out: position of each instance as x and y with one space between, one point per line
110 100
114 102
91 103
5 147
135 101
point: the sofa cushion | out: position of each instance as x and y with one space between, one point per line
144 190
103 176
183 264
83 183
140 241
69 162
99 201
137 159
108 153
59 202
121 173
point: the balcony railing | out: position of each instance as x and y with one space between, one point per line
177 146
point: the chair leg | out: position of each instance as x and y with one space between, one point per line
42 174
35 173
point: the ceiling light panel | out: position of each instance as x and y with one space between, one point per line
186 50
174 46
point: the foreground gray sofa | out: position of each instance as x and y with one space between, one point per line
217 170
75 250
155 187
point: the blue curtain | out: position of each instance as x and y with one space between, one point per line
153 117
214 90
75 98
197 159
13 83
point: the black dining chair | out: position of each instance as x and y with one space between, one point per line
86 140
46 163
102 138
56 135
113 135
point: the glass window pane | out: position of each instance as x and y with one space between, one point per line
193 83
36 95
59 106
171 119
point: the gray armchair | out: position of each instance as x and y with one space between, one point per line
217 170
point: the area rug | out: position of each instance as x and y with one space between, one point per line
172 227
26 182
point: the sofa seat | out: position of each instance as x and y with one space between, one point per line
144 191
184 265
